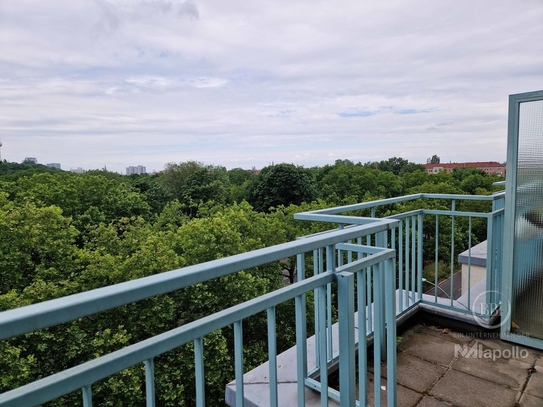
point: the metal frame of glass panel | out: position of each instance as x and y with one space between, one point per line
508 282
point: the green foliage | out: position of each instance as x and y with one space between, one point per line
87 199
148 185
415 178
63 233
241 181
204 185
396 165
107 174
130 248
287 229
193 183
175 175
238 176
343 182
13 171
34 242
282 184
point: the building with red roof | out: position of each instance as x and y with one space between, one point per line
490 167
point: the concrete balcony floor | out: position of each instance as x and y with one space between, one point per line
438 366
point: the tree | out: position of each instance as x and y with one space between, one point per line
155 194
35 242
415 178
13 171
175 175
238 176
282 184
204 185
343 183
87 199
240 182
395 165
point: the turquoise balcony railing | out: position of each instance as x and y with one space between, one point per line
363 276
433 226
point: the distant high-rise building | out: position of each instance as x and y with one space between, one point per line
139 169
31 159
53 165
78 170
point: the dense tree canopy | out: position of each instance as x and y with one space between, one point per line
346 181
395 165
282 184
12 171
63 233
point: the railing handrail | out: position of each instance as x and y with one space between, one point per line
53 312
358 220
92 371
388 201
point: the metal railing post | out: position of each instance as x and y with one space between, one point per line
377 337
346 339
301 347
87 396
390 283
272 356
330 266
150 381
381 241
362 342
238 362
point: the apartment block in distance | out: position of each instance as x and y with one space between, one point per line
490 167
139 169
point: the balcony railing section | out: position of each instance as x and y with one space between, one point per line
365 289
433 229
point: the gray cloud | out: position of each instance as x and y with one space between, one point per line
253 82
109 20
188 9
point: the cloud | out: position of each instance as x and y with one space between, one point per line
188 9
412 111
111 15
207 82
109 20
355 113
259 81
165 84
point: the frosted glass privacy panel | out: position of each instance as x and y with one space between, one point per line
527 298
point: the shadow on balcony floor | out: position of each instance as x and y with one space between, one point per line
439 366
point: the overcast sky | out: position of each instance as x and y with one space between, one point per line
245 83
